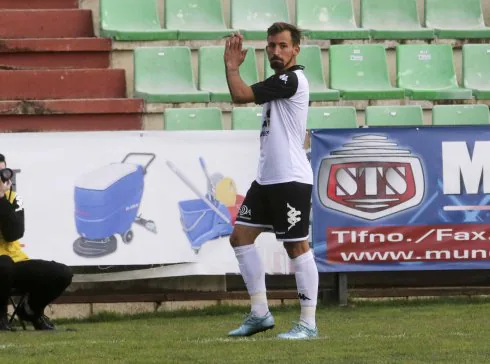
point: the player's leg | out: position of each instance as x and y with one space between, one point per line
291 223
250 223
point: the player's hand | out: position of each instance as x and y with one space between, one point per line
4 187
234 54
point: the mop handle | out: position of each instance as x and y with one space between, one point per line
210 183
196 191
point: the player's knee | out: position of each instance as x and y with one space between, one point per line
295 249
243 235
235 239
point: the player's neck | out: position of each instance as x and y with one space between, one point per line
285 69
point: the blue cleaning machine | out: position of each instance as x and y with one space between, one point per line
107 202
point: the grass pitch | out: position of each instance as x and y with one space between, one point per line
402 331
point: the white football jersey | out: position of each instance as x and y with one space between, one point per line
285 98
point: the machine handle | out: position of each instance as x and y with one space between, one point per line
145 168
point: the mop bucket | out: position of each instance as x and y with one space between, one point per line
205 218
201 223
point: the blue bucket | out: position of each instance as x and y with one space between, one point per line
201 223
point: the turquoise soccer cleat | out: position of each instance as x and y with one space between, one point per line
300 331
254 324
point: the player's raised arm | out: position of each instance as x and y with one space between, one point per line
234 56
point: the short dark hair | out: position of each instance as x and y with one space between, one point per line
2 159
280 27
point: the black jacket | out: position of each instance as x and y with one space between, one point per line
11 219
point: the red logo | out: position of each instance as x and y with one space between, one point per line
371 179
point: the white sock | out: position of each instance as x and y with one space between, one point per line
307 284
253 274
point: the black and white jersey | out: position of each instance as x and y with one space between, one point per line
285 97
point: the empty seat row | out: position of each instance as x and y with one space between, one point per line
250 118
356 72
320 19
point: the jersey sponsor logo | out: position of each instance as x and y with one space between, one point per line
294 216
266 124
371 178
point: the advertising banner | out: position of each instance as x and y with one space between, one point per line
137 198
401 198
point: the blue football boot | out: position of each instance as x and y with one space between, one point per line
254 324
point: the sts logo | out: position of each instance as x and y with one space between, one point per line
370 178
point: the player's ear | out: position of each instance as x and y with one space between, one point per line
296 49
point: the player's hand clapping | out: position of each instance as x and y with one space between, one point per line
234 54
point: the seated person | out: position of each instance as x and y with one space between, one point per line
43 281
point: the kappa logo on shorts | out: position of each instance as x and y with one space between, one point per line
294 216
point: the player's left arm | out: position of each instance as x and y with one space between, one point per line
234 56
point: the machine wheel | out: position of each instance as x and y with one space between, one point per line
95 248
127 237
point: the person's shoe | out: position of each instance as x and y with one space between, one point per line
40 322
254 324
4 323
300 331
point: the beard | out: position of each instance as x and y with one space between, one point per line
276 63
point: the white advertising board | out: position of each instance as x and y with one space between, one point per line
112 198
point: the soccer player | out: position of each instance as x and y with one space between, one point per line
279 200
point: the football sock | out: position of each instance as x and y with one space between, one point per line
307 284
253 274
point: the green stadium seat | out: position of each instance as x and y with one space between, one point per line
426 72
196 20
207 118
460 115
456 19
253 17
393 19
394 116
310 56
120 21
331 117
476 69
361 72
212 73
164 74
246 118
328 19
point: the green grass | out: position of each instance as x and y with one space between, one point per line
384 331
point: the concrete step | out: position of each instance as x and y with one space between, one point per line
66 23
71 115
38 4
62 84
55 53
